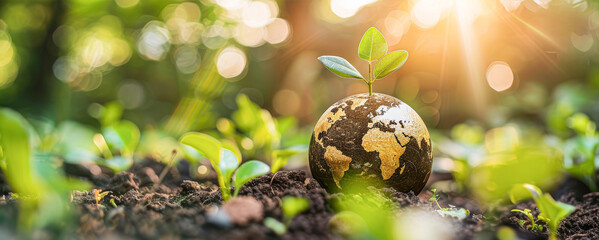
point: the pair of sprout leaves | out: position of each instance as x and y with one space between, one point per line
373 48
552 212
225 162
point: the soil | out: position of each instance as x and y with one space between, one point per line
583 223
184 208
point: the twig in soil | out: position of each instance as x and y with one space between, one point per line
166 169
270 184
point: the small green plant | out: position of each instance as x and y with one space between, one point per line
118 140
552 212
291 207
533 226
451 211
112 203
373 49
99 195
259 134
225 162
580 151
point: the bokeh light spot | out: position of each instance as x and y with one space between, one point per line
249 36
397 24
231 62
348 8
582 42
259 13
154 42
500 76
126 3
131 95
277 31
187 59
511 5
65 69
426 13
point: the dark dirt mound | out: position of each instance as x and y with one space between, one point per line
179 207
193 210
584 221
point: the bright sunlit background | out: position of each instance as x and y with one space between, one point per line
178 65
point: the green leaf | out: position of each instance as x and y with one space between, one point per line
123 136
579 158
582 124
232 146
553 211
247 115
340 66
459 213
118 163
205 144
389 63
110 113
521 192
373 45
14 139
292 206
282 156
75 144
227 164
275 225
248 171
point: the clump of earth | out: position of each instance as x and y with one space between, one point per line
374 140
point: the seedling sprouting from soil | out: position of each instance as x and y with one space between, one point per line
225 162
291 207
533 226
258 133
99 195
552 212
373 49
451 211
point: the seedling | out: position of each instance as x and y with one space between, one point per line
451 211
580 151
118 139
533 226
373 49
552 212
259 133
99 195
112 203
225 162
291 207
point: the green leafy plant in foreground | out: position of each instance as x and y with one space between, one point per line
291 207
373 49
451 211
552 212
225 162
16 163
580 151
32 172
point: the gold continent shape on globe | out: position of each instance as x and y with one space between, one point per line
375 139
